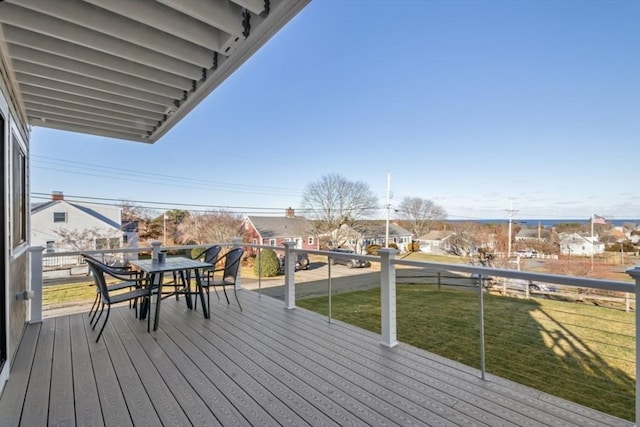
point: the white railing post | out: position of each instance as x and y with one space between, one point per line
236 242
635 273
34 293
155 249
289 276
388 297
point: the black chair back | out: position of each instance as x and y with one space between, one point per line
232 264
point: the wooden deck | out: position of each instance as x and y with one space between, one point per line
263 366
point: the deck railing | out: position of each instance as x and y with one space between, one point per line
479 280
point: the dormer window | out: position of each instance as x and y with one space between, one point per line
59 217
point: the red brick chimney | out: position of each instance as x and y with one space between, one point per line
57 195
290 213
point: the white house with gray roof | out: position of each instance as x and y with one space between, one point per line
99 225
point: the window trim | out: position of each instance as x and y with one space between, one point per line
20 212
60 213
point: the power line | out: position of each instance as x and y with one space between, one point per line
154 204
122 174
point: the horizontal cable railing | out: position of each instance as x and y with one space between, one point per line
569 336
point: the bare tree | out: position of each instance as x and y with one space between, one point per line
147 228
89 239
335 202
419 214
209 227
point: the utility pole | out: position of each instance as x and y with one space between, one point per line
511 212
386 237
164 232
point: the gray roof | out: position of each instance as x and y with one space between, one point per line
378 228
39 207
270 226
437 235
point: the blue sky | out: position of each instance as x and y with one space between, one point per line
475 105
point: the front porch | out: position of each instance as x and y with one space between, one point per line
266 365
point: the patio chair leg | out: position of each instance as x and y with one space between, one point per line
104 323
148 313
95 301
95 312
236 294
224 289
98 318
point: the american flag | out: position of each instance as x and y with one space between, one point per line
597 219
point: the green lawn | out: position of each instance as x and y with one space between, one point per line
581 353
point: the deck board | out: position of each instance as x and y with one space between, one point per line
84 386
38 391
61 402
15 390
263 366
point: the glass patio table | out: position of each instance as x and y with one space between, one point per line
156 270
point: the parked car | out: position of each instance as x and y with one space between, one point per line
339 257
525 254
302 262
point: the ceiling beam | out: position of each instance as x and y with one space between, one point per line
50 112
82 36
89 93
32 56
221 14
255 6
120 27
91 102
50 104
99 124
161 17
53 124
49 73
41 46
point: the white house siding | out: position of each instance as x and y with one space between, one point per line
580 246
43 228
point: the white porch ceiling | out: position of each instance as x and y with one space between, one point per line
127 69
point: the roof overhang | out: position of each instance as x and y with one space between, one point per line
127 69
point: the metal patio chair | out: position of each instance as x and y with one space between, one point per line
128 279
110 296
229 275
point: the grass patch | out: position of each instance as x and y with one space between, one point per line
68 293
581 353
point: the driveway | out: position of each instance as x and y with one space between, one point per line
314 281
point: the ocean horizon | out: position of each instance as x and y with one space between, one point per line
548 223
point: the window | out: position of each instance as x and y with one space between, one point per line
272 242
114 243
255 241
125 239
19 180
50 247
59 217
101 243
310 240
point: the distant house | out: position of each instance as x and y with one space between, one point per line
580 245
274 231
94 226
530 234
366 233
435 241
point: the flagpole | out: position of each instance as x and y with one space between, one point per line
593 247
